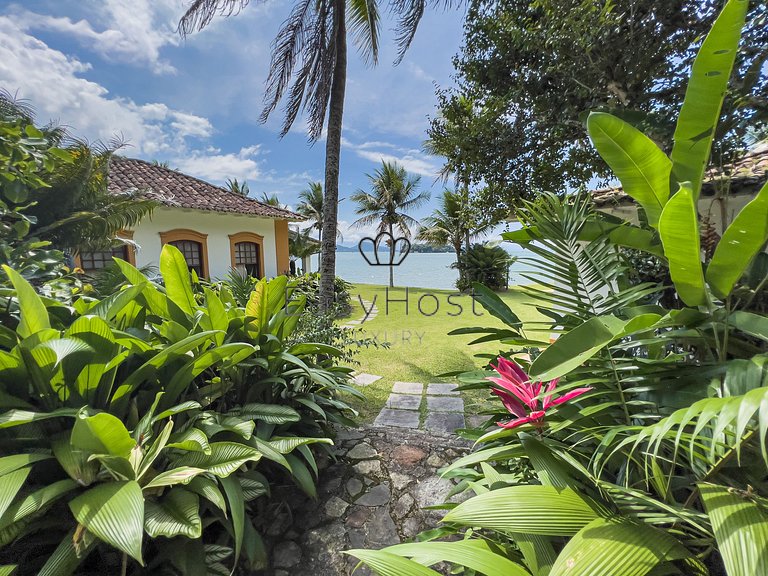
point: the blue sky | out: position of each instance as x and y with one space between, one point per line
117 67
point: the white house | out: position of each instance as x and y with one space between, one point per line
215 229
724 193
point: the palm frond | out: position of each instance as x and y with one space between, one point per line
201 12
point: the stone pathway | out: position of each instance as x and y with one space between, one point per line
363 379
444 407
373 495
367 306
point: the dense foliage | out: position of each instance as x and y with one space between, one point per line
69 205
488 265
530 70
635 443
140 429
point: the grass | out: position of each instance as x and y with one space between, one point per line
419 348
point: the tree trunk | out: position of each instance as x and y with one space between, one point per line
391 257
332 154
457 250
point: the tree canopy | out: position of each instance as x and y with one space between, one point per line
530 70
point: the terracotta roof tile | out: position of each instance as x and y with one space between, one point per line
746 176
176 189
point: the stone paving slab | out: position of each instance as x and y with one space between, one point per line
397 418
445 404
442 389
404 401
358 508
364 379
408 388
444 423
476 420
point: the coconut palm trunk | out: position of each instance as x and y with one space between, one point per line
332 155
391 255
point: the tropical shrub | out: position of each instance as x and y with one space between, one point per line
488 265
308 285
641 429
139 430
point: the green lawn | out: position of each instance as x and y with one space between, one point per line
419 347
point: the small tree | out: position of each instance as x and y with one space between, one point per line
452 224
393 194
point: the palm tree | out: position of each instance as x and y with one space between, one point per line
271 200
311 49
311 207
393 194
451 224
301 244
239 188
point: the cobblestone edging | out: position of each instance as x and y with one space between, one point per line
373 496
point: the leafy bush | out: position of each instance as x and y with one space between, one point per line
484 264
308 285
139 429
645 427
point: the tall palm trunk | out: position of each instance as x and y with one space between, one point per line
332 154
391 256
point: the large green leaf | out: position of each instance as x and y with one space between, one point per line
225 458
175 514
679 230
528 508
114 512
181 475
637 161
387 564
270 413
10 463
741 242
741 529
707 87
753 324
617 546
102 434
209 490
234 493
175 273
75 462
19 417
474 554
10 484
34 315
36 501
574 348
192 439
495 305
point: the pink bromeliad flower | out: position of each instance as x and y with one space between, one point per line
520 395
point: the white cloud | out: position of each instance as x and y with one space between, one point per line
53 83
353 234
190 125
416 164
242 165
134 30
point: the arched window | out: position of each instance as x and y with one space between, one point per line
246 249
192 245
92 262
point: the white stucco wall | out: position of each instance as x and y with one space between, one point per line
708 206
218 227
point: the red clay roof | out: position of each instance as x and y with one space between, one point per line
746 176
179 190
